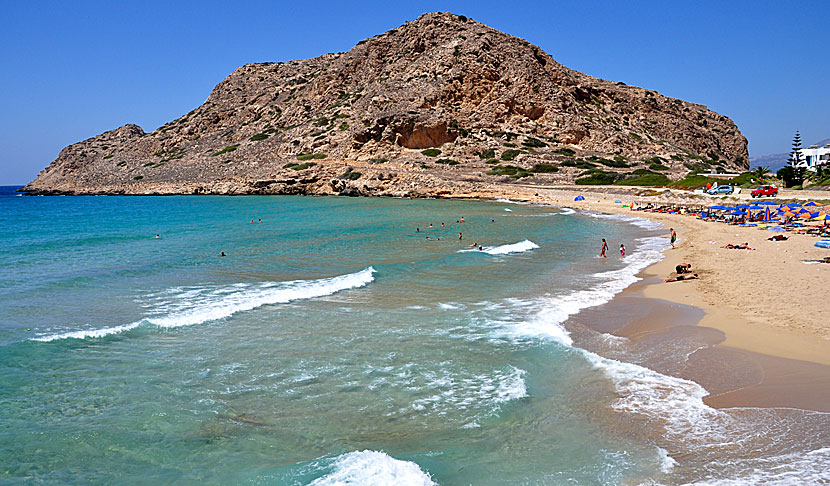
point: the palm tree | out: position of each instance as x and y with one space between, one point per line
760 171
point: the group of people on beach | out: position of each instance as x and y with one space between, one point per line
605 249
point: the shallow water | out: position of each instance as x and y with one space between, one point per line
334 344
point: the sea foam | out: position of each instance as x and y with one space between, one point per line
373 467
196 306
519 247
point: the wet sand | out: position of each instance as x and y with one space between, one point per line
753 330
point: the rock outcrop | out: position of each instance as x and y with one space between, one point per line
435 102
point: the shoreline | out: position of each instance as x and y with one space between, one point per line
779 354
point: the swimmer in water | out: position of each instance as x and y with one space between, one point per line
222 254
157 236
442 225
459 235
462 219
430 225
622 250
252 221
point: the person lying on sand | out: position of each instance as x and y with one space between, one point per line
681 278
778 238
745 246
683 268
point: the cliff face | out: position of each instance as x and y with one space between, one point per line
357 122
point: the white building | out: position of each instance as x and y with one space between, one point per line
816 155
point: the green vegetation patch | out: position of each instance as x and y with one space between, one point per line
311 156
109 156
259 136
447 161
643 177
544 168
565 151
229 148
302 166
510 154
491 161
431 152
510 170
534 142
487 154
138 178
597 177
579 164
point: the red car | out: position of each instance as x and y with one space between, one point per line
765 191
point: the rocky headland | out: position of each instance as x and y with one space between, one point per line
438 106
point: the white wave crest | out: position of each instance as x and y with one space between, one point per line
508 210
675 402
567 211
375 468
785 470
636 221
195 306
519 247
546 321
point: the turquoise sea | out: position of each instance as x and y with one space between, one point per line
335 344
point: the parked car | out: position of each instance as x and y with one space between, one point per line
725 189
765 191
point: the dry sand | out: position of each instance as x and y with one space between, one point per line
772 308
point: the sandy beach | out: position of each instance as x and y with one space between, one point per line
768 305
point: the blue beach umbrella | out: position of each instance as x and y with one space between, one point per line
742 206
768 203
793 205
754 207
811 203
823 244
579 198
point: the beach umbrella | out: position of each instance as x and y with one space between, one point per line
768 203
788 214
767 215
579 198
811 203
804 215
617 201
754 207
822 217
793 205
742 206
823 244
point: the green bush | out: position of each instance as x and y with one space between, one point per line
534 142
109 156
311 156
657 166
510 170
487 154
259 136
447 161
344 126
643 177
431 152
693 180
597 177
121 164
138 178
229 148
620 158
677 157
509 144
302 166
510 154
634 136
544 168
378 161
606 162
565 151
353 176
579 164
491 161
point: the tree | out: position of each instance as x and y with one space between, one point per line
760 171
796 159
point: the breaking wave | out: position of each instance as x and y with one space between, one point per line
196 306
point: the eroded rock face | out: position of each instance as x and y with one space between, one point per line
442 81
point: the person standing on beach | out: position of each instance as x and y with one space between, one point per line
622 250
673 237
603 249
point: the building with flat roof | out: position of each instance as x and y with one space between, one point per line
815 155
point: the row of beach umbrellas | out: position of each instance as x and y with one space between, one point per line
815 211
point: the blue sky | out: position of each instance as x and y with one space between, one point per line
74 69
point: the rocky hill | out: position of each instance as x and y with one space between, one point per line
424 109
